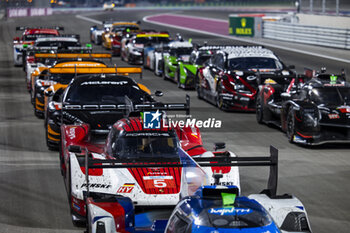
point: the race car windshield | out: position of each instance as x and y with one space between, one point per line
33 37
151 144
180 51
201 59
124 28
330 95
61 78
145 40
59 44
108 92
248 63
243 214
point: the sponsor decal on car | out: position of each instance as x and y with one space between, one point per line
159 182
126 188
229 211
96 185
333 116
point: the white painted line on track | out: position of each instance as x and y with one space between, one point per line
224 36
192 17
88 19
241 39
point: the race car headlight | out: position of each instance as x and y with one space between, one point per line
38 83
237 86
136 52
51 107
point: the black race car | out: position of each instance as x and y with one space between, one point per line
311 113
97 99
230 77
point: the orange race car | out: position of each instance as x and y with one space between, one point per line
55 93
42 78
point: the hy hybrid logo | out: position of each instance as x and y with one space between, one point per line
151 120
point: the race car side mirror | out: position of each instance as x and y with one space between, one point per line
219 146
16 39
158 93
291 67
74 149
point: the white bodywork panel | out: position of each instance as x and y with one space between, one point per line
279 208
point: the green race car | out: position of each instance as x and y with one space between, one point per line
178 52
187 71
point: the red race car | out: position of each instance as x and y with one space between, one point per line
29 35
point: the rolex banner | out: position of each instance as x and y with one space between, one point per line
244 26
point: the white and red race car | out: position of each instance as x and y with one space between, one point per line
130 141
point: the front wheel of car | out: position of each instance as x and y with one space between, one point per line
259 110
198 88
178 78
290 125
219 99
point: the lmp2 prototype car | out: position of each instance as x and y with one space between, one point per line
230 78
45 78
131 141
94 98
205 208
311 113
133 48
29 35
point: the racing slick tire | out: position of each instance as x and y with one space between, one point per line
60 155
218 99
177 78
259 110
290 131
76 222
198 87
163 73
49 145
38 114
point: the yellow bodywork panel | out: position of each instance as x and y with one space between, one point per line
95 70
73 55
144 88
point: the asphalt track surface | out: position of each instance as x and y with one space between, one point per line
32 194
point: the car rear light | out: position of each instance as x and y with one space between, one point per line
30 59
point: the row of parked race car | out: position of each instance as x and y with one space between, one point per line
117 152
312 108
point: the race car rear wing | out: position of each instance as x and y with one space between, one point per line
73 55
97 70
131 108
218 161
22 28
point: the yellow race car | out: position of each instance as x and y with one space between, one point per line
112 36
